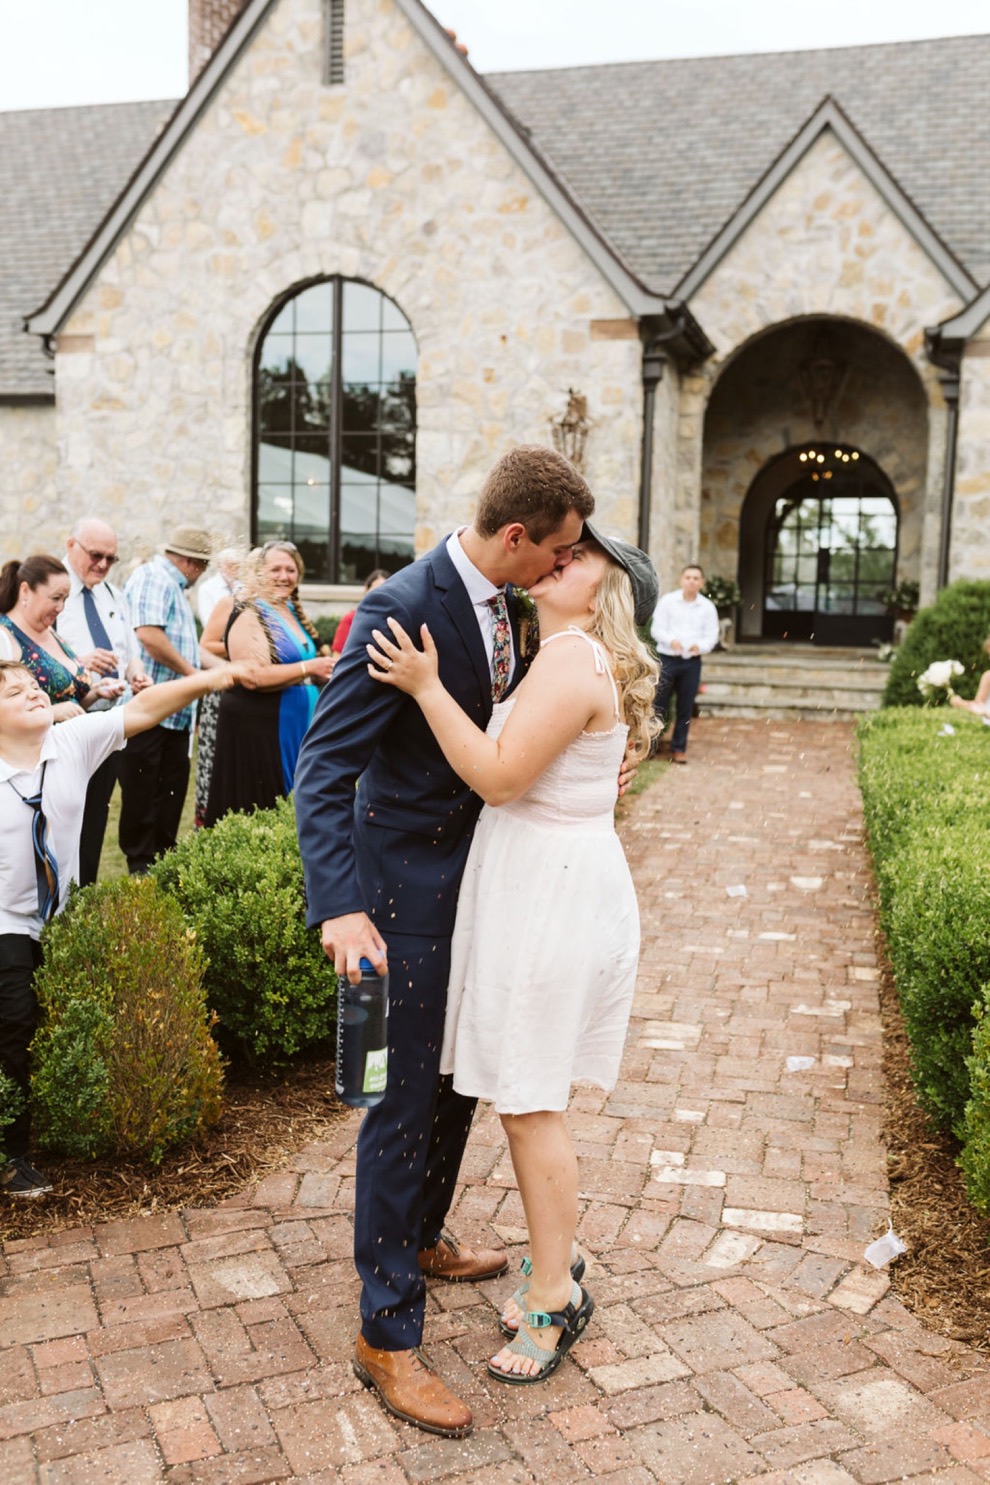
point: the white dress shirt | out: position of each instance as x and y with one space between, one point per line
694 623
479 590
209 592
74 751
111 605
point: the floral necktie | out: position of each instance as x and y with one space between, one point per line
501 646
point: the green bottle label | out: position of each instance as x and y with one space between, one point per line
376 1071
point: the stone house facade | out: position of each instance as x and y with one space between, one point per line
330 286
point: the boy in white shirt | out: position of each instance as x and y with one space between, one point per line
44 773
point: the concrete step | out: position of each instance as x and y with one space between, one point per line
790 680
787 682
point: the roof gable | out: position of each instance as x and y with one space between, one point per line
662 153
58 169
829 116
56 309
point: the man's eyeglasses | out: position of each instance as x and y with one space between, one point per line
108 557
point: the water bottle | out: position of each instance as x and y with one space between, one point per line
362 1038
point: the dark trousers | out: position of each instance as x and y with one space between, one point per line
680 674
94 823
409 1149
20 956
154 776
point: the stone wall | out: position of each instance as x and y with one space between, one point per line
825 245
392 177
30 518
969 553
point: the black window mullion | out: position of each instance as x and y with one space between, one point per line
336 420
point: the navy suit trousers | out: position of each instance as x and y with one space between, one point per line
405 1184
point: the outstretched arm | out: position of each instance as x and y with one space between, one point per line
158 702
556 701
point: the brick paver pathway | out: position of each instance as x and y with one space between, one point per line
726 1200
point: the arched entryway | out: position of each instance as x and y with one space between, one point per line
826 521
814 471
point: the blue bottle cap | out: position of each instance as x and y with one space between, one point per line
367 965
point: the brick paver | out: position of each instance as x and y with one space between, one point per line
729 1186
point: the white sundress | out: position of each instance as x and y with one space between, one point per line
546 943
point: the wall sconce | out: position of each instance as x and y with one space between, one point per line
570 430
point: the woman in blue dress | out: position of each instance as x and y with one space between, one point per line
259 731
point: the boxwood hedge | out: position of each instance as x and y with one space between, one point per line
925 798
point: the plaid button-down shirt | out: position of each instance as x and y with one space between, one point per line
155 594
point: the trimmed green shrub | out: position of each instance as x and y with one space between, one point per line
930 841
914 779
11 1103
123 1061
954 628
975 1158
326 628
240 885
938 929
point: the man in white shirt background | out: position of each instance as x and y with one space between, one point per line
684 627
96 623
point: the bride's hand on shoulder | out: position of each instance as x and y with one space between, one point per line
396 660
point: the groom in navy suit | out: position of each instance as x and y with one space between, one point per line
383 864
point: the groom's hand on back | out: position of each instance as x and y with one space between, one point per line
349 939
627 772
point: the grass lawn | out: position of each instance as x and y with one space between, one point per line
112 862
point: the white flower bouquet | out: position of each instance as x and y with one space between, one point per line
938 678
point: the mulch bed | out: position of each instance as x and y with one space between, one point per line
267 1118
944 1277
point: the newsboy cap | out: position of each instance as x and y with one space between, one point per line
642 573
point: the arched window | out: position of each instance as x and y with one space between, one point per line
335 430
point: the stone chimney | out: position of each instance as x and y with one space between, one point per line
209 22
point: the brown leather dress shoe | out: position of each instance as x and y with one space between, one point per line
448 1260
410 1389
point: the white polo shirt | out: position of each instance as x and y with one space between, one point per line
74 751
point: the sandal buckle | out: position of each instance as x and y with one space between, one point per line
538 1319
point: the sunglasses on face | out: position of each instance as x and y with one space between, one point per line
108 557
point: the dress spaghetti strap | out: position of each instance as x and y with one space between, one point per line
602 666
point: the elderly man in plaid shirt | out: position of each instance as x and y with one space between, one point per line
154 769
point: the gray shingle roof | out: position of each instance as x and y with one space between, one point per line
60 170
660 154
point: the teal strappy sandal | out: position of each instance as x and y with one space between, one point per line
572 1319
519 1298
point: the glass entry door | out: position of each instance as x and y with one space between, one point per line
831 552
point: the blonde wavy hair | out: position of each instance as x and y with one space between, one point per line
636 671
253 583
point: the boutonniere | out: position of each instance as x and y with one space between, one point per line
529 624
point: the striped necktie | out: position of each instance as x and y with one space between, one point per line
45 864
501 645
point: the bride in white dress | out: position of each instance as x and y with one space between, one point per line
546 943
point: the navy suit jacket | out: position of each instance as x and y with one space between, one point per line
395 846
